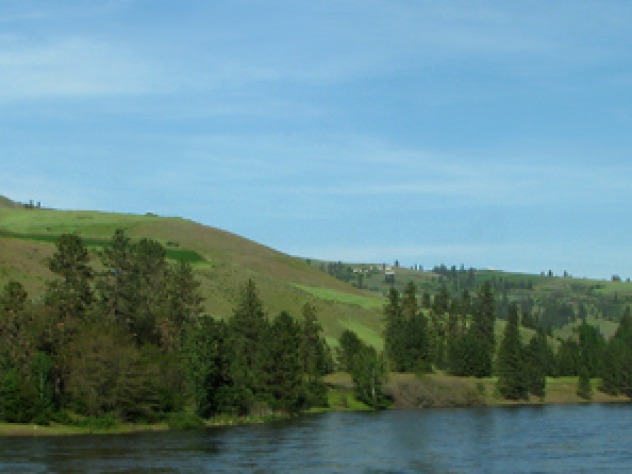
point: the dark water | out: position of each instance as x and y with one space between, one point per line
593 438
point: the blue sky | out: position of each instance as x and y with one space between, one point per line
491 133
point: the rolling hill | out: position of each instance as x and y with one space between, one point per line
222 261
347 296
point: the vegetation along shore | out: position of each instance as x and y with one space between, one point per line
115 334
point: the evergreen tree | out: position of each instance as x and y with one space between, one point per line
510 363
539 362
482 341
350 345
248 335
414 334
71 296
567 358
316 358
584 389
207 365
395 332
616 367
183 304
283 371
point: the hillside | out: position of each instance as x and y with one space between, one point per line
347 296
222 261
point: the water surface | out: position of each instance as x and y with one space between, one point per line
572 438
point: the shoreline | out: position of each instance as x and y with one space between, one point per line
408 391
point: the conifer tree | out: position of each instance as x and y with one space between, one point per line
510 363
249 332
71 296
282 370
481 340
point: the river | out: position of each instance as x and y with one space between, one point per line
565 438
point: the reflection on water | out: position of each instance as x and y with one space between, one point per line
519 439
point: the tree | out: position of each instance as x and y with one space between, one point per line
248 335
367 368
481 344
395 331
510 363
369 374
207 365
72 296
15 323
350 345
283 371
584 389
315 356
539 362
183 304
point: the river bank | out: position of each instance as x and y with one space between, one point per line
404 389
408 390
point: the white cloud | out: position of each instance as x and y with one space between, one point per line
69 68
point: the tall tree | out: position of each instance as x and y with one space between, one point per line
510 362
482 330
248 334
207 364
315 358
283 370
72 295
395 331
539 361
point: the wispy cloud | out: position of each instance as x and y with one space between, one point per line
69 68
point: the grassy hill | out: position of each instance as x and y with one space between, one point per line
347 296
222 261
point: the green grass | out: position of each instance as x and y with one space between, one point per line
93 223
188 256
363 301
607 328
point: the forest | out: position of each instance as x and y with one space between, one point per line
125 339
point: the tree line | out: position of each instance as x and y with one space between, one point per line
456 335
127 338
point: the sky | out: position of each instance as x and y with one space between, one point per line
493 134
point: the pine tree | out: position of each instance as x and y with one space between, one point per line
482 341
395 331
283 373
584 389
316 358
248 335
207 365
71 296
538 363
510 363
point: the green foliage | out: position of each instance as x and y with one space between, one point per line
511 360
406 333
206 363
584 389
72 296
98 423
367 368
184 421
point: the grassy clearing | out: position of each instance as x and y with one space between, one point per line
607 328
89 223
363 301
364 332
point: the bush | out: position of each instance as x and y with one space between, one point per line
184 421
98 422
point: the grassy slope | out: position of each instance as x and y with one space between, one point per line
284 282
228 260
